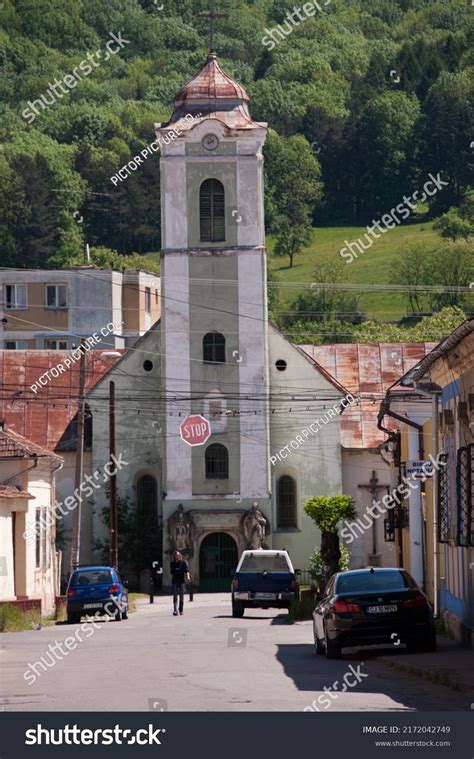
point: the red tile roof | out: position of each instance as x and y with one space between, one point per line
11 491
43 417
367 371
15 446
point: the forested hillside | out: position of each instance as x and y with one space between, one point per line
365 99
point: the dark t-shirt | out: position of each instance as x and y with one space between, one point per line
179 569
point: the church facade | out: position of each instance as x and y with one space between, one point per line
214 353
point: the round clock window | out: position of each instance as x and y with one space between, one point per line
210 141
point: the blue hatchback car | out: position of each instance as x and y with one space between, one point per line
96 589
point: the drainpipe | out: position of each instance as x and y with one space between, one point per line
394 437
434 395
410 423
415 509
435 404
56 565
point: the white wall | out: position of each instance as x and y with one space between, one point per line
357 468
32 581
139 425
316 465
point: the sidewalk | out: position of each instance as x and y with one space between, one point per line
452 665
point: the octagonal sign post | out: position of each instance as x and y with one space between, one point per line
195 430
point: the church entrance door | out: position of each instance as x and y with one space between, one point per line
217 558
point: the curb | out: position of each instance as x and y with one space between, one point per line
439 678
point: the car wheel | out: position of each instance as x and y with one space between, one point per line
125 613
318 644
118 616
428 644
432 643
333 649
238 609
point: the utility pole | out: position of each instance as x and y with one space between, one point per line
113 482
78 476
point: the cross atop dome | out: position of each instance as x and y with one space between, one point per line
212 15
212 93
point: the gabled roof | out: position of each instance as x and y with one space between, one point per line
319 367
44 416
125 353
438 351
15 446
367 370
13 491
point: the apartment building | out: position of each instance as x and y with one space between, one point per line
53 309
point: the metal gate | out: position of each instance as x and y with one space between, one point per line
217 559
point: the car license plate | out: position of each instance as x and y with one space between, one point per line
265 595
382 609
92 606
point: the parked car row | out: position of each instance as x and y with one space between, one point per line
359 607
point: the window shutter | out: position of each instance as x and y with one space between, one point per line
212 211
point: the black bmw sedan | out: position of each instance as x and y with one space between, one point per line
363 607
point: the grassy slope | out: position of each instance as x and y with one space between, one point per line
372 267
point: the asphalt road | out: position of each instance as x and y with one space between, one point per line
202 661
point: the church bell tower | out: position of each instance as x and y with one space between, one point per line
214 314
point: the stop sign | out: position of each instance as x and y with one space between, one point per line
195 430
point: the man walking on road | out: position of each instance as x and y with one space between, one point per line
179 574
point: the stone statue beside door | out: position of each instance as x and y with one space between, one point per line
255 525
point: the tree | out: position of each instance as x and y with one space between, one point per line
448 129
453 227
326 512
140 537
328 303
317 567
292 239
380 152
430 329
453 265
412 270
292 191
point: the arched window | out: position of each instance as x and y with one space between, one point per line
147 496
286 502
217 462
213 347
212 211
